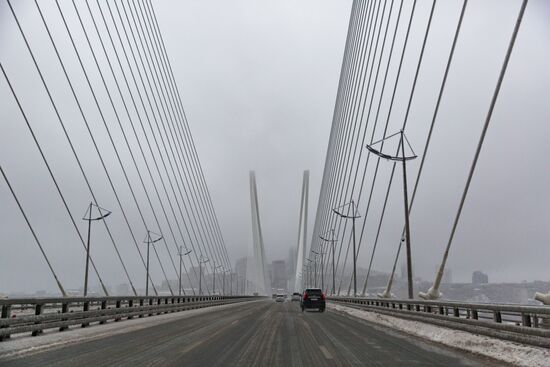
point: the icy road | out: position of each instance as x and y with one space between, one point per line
261 333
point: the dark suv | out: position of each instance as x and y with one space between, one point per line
313 298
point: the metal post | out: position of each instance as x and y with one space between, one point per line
147 267
403 158
90 219
309 273
315 273
181 259
214 280
321 253
354 254
353 217
407 227
149 241
201 261
181 254
88 251
333 268
322 270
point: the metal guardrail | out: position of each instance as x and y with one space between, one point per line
34 315
518 323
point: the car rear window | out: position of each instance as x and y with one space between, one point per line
314 292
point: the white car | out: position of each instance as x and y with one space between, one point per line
296 297
280 298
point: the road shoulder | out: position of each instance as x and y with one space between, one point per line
498 350
25 345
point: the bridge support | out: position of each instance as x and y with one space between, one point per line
385 294
432 294
545 299
260 274
300 259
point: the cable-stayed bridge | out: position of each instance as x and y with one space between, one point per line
91 102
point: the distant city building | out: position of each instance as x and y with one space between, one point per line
479 277
122 289
240 270
279 274
447 275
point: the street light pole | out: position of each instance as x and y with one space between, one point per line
407 226
149 241
181 254
332 241
201 261
147 267
309 272
322 267
88 250
214 278
353 216
223 282
403 158
90 219
315 271
333 267
354 257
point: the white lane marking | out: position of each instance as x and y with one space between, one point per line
325 351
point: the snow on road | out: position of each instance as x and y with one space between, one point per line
505 351
23 344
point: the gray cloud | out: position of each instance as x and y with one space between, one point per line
258 81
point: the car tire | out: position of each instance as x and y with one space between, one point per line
302 309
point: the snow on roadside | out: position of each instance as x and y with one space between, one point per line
23 344
509 352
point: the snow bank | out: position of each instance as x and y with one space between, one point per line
505 351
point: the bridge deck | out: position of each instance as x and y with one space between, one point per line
254 334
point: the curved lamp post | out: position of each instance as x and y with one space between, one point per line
201 261
401 157
149 241
353 216
332 241
181 254
88 217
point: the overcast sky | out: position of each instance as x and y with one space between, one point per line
258 81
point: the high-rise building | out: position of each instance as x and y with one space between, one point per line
279 274
447 275
479 277
240 270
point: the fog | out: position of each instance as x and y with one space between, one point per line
258 81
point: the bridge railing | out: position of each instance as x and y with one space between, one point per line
34 315
520 323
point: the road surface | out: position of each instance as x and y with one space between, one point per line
261 333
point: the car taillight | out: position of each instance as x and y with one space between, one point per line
305 296
323 296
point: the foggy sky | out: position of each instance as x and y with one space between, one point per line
258 82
